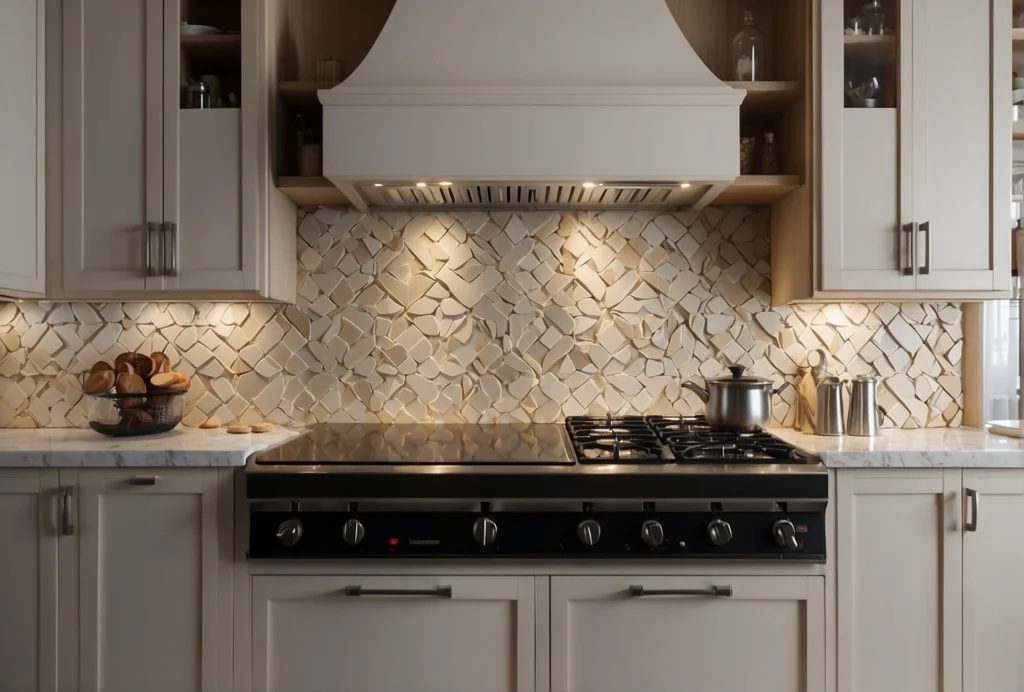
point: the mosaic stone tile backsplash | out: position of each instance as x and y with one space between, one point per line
491 317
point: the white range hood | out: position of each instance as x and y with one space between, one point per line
530 103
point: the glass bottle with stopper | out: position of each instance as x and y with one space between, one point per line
748 52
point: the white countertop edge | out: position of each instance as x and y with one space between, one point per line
924 448
182 447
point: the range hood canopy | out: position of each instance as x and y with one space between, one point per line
530 103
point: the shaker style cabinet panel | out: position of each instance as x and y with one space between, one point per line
914 159
28 597
162 200
993 545
22 143
147 572
429 634
765 633
898 580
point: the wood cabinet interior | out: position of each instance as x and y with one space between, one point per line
219 55
307 31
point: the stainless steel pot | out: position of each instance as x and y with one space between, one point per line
737 402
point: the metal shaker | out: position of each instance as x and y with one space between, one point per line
865 415
829 420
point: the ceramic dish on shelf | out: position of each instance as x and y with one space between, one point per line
198 29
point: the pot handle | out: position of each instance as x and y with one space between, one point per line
782 388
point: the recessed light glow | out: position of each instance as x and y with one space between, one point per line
684 185
445 184
378 184
589 185
421 184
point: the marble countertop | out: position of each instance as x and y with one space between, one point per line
76 448
928 448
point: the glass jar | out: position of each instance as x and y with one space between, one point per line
873 15
748 52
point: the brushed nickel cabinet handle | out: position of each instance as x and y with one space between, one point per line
151 228
439 592
639 591
972 505
143 480
926 228
67 524
906 249
171 255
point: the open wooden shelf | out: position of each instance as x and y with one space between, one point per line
302 93
870 45
1018 38
1018 130
311 192
769 97
758 190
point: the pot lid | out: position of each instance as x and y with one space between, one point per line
736 378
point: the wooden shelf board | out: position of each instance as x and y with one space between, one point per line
768 97
869 45
1018 39
212 45
302 93
758 190
310 192
1018 130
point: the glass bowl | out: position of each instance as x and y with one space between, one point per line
129 415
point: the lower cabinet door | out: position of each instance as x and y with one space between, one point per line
146 581
393 634
993 570
665 634
28 580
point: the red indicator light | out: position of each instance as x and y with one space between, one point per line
393 542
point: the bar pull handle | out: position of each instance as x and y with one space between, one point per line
151 268
67 523
972 506
906 252
171 255
439 592
143 480
926 228
639 591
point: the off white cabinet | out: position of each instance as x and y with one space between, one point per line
993 608
160 201
898 580
22 147
146 581
758 633
429 634
28 596
914 200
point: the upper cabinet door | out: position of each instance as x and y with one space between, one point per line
22 139
961 180
867 151
212 240
113 144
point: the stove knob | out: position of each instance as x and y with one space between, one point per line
289 532
589 532
353 532
652 533
785 534
719 532
484 531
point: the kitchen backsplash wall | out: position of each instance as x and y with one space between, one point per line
484 317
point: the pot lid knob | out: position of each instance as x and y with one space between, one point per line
737 371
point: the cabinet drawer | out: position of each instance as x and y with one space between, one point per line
430 634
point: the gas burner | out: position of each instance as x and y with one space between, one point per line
613 449
743 451
664 425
